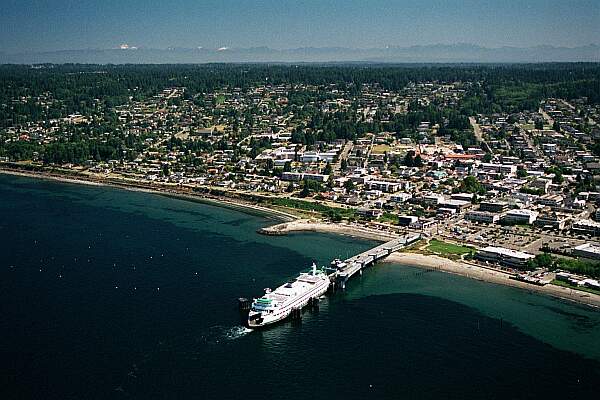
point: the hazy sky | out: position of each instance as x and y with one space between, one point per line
75 24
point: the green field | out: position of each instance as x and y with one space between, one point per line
390 218
444 248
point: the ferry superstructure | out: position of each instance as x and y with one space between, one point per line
278 304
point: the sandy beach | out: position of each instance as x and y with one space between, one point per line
490 275
305 225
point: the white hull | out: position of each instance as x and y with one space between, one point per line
276 310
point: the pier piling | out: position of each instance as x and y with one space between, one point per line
344 270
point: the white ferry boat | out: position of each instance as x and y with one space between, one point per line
278 304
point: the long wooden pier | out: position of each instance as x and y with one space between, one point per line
344 270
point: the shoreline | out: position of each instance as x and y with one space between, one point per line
344 229
172 192
488 275
291 223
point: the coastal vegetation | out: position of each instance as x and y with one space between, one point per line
573 265
333 213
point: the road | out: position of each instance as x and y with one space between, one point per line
479 134
343 156
548 119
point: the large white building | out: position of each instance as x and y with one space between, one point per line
587 250
504 256
313 157
520 216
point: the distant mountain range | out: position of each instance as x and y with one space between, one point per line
441 53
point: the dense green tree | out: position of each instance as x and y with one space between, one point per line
521 172
543 260
349 185
539 124
470 184
556 126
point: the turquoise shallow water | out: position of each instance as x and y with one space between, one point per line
108 293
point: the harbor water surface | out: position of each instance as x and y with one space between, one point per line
108 293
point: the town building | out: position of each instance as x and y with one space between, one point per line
493 206
552 220
406 220
587 250
388 187
482 216
454 204
587 227
520 216
504 256
552 200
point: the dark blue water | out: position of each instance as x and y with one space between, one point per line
107 293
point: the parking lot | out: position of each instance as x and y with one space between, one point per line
524 238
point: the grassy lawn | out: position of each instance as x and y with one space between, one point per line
390 218
447 249
380 148
582 288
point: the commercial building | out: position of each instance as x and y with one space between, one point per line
587 227
587 250
291 176
369 212
454 204
505 169
389 187
493 206
315 177
552 221
313 157
541 183
423 224
463 196
406 220
552 200
298 176
521 216
504 256
400 197
432 199
482 216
